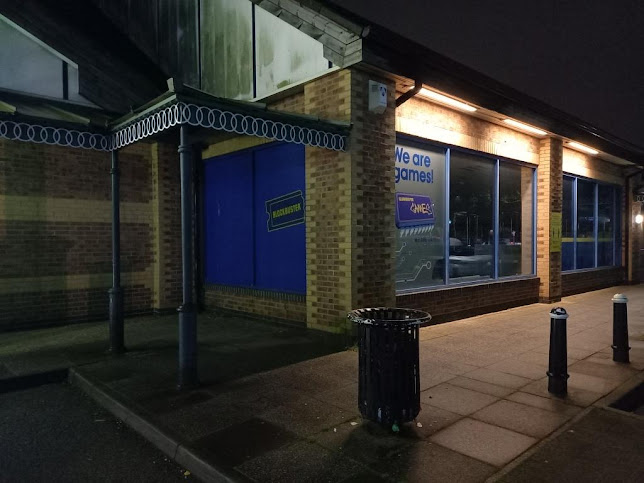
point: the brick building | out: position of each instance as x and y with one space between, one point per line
361 169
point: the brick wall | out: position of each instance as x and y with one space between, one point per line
271 305
549 196
55 233
350 204
587 280
459 302
419 117
166 226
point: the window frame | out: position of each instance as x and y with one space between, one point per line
617 227
413 141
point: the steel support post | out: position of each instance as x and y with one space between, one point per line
558 359
117 342
620 329
188 376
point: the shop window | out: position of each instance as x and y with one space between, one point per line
420 216
585 224
516 198
606 226
254 233
482 230
590 224
567 228
471 230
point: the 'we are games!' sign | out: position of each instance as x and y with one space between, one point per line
413 210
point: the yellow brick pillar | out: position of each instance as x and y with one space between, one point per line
166 226
350 239
549 204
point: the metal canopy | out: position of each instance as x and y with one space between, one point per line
48 121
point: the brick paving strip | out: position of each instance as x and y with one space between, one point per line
486 412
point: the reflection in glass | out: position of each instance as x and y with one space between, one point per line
471 233
515 220
567 224
585 224
605 241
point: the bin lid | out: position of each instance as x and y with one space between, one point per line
389 316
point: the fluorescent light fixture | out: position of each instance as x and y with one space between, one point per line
524 127
446 100
583 148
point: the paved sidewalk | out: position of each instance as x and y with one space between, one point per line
485 407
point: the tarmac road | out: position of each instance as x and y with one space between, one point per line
54 433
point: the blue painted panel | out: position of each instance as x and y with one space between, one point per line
280 245
228 220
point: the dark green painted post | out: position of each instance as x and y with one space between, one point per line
188 376
117 343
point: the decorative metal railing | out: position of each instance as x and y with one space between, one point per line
165 118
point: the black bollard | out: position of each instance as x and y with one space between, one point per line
620 329
558 360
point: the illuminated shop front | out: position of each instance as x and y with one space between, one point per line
480 225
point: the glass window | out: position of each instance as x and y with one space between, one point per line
420 216
567 226
585 224
515 220
471 233
606 228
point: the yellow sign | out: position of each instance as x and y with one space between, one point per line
555 232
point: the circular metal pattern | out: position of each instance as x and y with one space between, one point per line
34 133
180 113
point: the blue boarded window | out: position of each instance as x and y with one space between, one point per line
254 232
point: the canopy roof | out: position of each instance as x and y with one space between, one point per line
50 121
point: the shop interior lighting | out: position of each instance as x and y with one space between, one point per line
583 148
525 127
446 100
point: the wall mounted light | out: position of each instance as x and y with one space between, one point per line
435 96
639 219
525 127
581 147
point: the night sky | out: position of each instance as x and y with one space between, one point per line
583 57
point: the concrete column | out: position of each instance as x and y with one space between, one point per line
549 204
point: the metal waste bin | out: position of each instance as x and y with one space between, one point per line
389 377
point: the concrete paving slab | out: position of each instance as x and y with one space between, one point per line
303 461
602 446
456 399
528 420
498 378
578 397
434 463
604 370
479 386
485 442
308 416
517 367
546 403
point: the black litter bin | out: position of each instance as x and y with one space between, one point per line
389 377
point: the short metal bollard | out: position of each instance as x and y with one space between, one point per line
558 359
620 329
389 377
